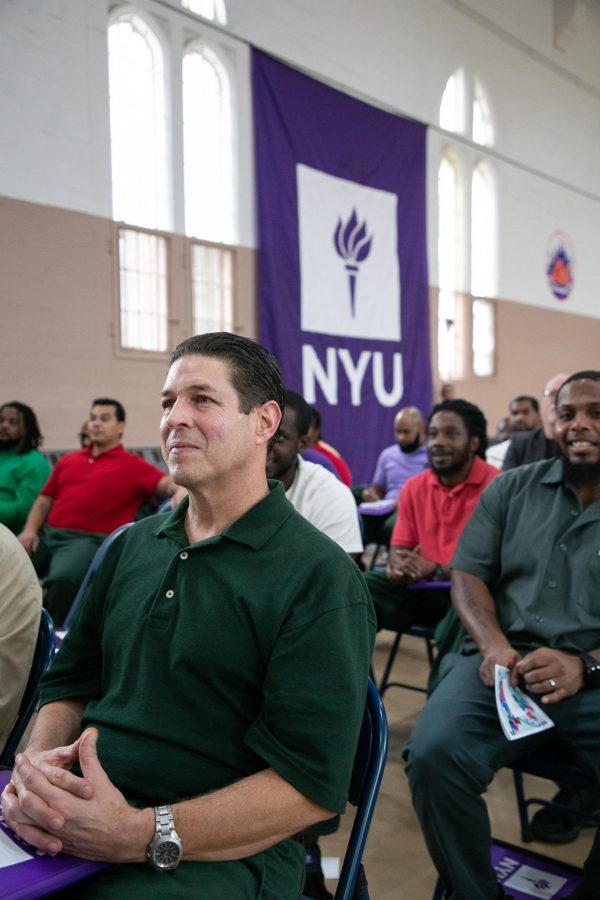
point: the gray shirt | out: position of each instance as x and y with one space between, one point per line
539 553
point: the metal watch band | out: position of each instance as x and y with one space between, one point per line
164 820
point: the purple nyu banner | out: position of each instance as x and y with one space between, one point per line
343 290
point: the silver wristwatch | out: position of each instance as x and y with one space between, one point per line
165 850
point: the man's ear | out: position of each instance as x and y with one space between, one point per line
474 443
268 417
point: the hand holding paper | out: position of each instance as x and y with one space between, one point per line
519 715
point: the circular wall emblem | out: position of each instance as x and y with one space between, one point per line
560 264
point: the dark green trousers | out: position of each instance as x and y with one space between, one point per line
397 607
61 560
456 748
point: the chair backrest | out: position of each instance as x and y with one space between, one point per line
369 763
93 568
42 657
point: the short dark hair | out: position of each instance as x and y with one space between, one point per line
255 373
474 419
302 411
526 398
107 401
590 374
33 436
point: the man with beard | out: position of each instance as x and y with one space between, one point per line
23 469
526 584
432 511
395 465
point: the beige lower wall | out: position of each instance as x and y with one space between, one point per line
59 327
59 321
532 344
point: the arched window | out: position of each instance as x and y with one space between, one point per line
482 127
452 107
466 208
208 9
207 147
137 124
449 241
484 251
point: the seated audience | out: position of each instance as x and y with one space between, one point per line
212 687
315 493
524 417
539 443
526 580
23 469
314 442
396 464
20 609
89 493
432 511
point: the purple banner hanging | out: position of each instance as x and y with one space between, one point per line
343 291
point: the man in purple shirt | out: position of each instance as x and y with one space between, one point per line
396 464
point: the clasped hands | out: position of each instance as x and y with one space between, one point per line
405 566
551 673
55 810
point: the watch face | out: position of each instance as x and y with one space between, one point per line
167 854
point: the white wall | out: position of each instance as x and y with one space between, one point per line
397 53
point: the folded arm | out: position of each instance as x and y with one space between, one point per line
56 810
407 564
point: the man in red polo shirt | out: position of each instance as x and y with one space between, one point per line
432 511
89 493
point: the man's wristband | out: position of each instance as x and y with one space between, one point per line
591 673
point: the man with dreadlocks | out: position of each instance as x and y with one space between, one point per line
23 469
526 584
432 511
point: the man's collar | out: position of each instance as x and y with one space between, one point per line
476 475
554 475
119 450
254 528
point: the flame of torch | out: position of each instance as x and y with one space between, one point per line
353 245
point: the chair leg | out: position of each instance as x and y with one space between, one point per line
526 835
383 684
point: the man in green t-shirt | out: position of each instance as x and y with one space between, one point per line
221 660
23 469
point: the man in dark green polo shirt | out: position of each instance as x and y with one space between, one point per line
526 584
221 655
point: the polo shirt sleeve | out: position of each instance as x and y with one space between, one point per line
479 546
405 533
29 478
146 474
50 489
314 693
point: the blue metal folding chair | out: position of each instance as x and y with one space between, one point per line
369 763
93 568
42 657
